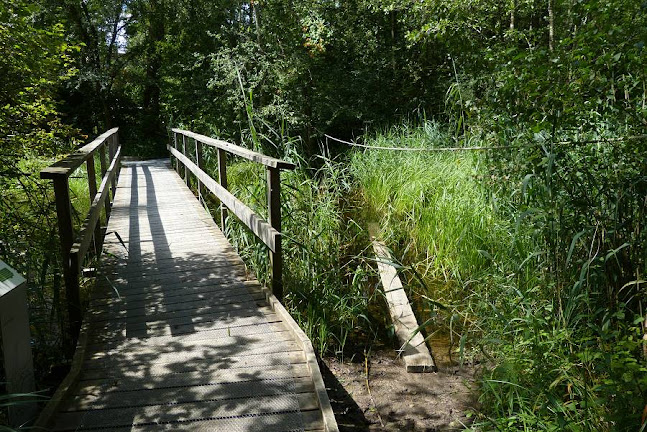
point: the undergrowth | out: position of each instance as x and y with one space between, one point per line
530 259
538 253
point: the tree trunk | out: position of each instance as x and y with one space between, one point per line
551 25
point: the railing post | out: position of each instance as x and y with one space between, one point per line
92 189
70 273
104 168
187 179
113 144
199 160
222 179
177 163
274 213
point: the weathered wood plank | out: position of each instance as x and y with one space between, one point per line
415 354
66 166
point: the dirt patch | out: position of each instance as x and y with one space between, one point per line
397 401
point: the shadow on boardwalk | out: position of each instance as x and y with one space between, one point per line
178 338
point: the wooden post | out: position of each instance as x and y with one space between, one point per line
199 160
174 162
118 166
16 346
187 179
92 189
104 168
222 179
274 213
70 273
113 143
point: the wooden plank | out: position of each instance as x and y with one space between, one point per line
274 213
214 376
189 293
181 413
415 354
222 179
238 151
96 369
66 166
133 308
258 226
275 422
195 360
177 395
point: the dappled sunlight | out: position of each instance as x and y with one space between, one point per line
178 337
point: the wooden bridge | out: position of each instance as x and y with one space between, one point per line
176 335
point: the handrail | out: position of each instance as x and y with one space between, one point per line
237 150
73 161
74 246
269 232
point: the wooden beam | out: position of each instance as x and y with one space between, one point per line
66 235
66 166
238 151
199 159
104 168
274 213
255 223
222 179
415 354
92 189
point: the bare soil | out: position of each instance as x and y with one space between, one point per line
377 394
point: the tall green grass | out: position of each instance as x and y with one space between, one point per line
531 251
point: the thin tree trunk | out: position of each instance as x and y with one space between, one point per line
551 25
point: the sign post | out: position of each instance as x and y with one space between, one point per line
16 346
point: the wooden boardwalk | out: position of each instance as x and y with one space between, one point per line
177 335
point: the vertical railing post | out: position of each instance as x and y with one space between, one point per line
113 144
70 272
92 189
199 160
104 168
174 160
187 179
274 214
222 179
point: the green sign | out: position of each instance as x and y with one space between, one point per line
5 274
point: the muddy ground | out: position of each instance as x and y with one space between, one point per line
397 400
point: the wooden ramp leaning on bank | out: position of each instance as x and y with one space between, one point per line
177 336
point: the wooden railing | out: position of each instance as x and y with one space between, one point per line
75 246
269 232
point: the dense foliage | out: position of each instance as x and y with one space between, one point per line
535 246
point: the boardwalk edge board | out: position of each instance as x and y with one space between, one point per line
311 360
416 356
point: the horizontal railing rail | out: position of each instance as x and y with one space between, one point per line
75 246
268 231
